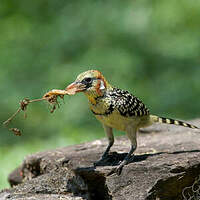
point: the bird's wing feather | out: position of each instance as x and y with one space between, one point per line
127 104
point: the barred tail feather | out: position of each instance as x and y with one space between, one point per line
155 118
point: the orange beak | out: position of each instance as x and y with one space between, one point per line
75 87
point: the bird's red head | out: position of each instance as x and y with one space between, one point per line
91 82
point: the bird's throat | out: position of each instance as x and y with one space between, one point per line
92 99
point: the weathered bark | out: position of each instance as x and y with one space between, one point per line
167 161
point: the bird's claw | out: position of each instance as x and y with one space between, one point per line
103 158
116 170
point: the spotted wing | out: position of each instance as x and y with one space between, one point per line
127 104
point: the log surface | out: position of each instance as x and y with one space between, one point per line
166 166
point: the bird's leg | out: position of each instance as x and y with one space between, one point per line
118 170
131 133
110 136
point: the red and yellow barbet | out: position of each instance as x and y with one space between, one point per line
116 108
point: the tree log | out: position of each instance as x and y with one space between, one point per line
166 166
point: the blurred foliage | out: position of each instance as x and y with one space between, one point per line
149 47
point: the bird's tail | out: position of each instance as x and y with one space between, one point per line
155 118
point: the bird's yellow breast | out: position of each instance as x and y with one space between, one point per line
117 121
109 115
114 119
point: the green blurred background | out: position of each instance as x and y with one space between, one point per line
149 47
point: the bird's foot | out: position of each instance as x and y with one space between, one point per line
117 170
101 160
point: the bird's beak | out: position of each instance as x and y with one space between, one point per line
75 87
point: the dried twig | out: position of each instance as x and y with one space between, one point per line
16 131
51 97
10 118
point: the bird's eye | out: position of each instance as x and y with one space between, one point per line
88 80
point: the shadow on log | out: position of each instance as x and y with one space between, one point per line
166 166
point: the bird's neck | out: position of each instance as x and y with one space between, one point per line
92 98
94 95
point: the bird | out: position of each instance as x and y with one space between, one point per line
117 109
